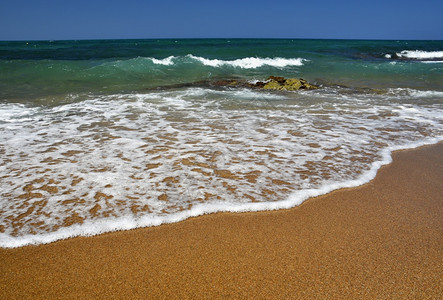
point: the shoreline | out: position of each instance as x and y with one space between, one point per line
293 200
379 239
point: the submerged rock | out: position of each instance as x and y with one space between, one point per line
273 83
290 84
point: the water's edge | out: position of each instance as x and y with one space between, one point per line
89 228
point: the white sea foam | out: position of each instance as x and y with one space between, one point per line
91 228
168 61
16 113
250 62
418 54
415 93
243 63
125 161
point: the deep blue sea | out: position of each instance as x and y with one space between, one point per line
98 136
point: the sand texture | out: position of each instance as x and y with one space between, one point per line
381 240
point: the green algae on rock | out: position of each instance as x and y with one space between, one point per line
290 84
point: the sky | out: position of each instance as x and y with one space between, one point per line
124 19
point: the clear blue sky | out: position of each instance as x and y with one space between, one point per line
92 19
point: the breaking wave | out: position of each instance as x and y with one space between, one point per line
250 62
417 55
244 63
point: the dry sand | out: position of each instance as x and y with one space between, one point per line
380 240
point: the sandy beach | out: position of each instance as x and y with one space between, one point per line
380 240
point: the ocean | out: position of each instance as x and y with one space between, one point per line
105 135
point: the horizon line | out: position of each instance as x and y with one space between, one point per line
214 38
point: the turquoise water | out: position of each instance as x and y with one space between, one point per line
46 68
98 136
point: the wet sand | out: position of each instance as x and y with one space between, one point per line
380 240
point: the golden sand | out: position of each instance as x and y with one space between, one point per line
381 240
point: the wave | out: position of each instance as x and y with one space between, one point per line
166 61
417 54
244 63
18 78
250 62
150 64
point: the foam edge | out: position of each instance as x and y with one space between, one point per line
90 228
